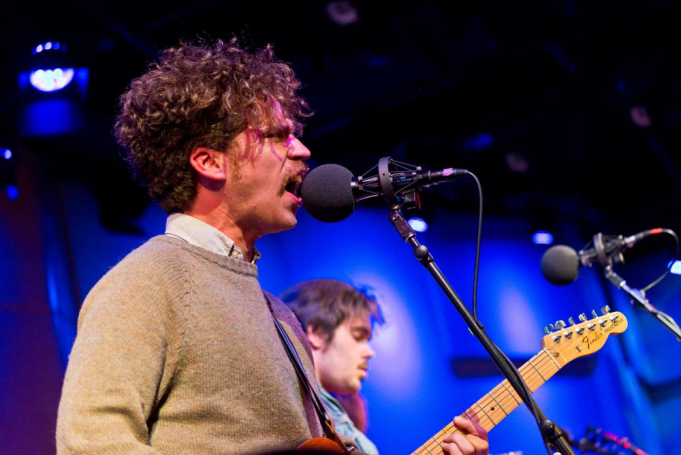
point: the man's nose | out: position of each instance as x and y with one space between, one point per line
298 151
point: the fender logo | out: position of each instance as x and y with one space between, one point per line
600 334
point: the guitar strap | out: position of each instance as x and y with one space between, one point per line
325 420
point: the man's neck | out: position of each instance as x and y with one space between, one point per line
222 222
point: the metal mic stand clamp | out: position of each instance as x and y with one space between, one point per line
638 297
548 429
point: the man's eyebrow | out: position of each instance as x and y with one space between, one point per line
361 330
279 129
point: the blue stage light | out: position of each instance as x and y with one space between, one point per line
479 142
51 80
7 154
48 46
12 192
418 224
676 268
542 238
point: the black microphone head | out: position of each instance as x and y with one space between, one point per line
327 193
560 265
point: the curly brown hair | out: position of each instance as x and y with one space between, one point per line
200 96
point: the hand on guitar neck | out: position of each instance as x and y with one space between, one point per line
467 434
470 439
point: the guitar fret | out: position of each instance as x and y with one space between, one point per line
487 415
511 393
535 369
503 399
551 357
490 409
498 404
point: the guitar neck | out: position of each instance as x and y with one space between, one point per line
493 407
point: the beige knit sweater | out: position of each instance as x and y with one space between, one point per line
177 353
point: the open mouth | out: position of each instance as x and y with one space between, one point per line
293 185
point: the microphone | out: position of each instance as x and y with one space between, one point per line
330 191
560 264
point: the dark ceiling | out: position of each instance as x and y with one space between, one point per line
567 111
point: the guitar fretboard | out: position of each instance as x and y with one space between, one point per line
493 407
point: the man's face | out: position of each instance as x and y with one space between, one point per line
341 364
262 192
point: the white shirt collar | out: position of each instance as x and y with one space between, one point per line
203 235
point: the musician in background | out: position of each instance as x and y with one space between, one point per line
338 319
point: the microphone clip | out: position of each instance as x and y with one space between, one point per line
606 250
400 183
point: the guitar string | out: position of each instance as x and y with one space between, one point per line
529 366
434 442
541 365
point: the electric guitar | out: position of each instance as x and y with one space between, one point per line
561 345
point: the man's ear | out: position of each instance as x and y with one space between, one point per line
210 164
316 338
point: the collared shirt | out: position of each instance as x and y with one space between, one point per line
344 425
205 236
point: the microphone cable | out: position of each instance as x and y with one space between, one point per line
527 398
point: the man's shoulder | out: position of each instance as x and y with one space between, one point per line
157 260
159 251
282 311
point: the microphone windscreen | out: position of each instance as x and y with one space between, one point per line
560 265
327 193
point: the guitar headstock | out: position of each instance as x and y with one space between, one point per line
567 342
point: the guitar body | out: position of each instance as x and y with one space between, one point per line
321 445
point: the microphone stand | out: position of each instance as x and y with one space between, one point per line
550 432
548 429
638 297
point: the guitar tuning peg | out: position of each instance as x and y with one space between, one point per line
571 320
605 309
593 312
546 330
560 324
550 326
582 317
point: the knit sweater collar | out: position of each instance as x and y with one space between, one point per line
234 265
204 235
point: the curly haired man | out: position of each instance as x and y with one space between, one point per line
177 350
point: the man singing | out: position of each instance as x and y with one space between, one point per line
177 350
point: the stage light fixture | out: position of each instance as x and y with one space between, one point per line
51 72
52 89
48 46
51 80
542 238
7 154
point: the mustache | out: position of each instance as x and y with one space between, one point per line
302 169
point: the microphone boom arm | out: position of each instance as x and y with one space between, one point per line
638 297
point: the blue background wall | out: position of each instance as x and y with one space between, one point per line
54 250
